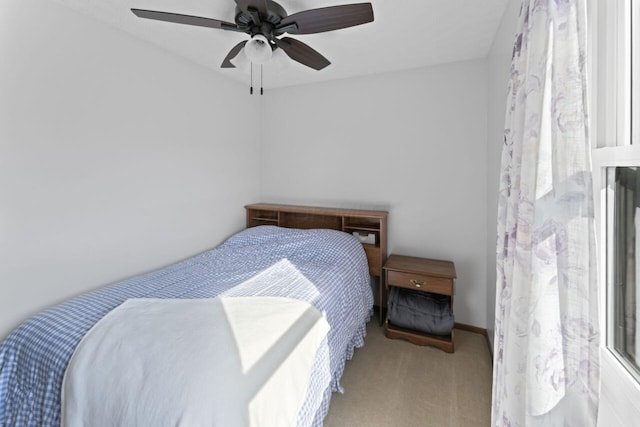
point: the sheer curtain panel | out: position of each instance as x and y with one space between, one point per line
546 334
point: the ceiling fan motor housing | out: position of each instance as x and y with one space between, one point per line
264 26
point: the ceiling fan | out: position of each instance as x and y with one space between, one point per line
265 21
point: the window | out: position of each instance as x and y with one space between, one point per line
621 167
615 68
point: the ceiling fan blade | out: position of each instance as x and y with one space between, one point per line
302 53
185 19
232 54
259 5
327 19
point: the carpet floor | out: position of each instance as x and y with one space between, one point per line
395 383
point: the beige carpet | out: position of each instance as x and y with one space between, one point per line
395 383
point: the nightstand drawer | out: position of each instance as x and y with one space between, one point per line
436 285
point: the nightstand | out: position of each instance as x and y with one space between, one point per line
423 275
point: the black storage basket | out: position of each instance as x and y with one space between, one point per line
421 311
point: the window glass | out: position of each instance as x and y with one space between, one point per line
625 223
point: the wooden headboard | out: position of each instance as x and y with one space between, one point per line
347 220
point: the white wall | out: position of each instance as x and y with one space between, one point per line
499 63
115 157
413 142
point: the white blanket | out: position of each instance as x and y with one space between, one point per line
217 362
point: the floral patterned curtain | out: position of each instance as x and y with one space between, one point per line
546 367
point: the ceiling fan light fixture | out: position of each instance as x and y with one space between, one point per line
258 49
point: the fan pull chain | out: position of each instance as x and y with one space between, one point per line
261 90
251 88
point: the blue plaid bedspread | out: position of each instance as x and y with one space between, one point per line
33 358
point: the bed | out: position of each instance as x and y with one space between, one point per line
34 358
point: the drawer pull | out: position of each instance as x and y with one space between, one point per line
417 283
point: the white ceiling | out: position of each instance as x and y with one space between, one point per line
405 34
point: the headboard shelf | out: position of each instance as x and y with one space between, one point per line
347 220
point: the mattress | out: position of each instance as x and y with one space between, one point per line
33 358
